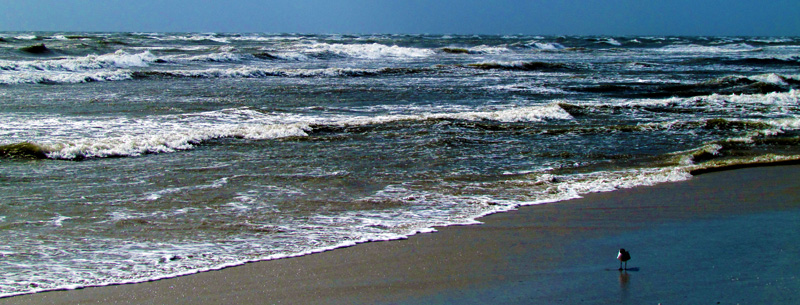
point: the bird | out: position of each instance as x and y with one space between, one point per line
623 256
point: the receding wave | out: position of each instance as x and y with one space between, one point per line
757 62
723 85
34 77
684 105
50 77
246 72
524 66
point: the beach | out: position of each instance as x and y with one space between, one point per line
131 157
726 237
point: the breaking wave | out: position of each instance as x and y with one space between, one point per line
119 59
168 134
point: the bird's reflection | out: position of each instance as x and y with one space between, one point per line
624 280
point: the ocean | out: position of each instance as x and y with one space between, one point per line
129 157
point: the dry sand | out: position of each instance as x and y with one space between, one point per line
720 238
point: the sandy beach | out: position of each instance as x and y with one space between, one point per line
726 237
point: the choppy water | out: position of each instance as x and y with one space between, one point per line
126 157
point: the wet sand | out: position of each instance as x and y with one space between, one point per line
725 237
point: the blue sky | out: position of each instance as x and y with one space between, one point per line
545 17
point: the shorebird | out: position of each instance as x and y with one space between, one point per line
623 256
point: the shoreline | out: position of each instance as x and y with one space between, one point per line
514 257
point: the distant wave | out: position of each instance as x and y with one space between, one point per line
694 48
546 45
363 51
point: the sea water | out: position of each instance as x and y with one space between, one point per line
127 157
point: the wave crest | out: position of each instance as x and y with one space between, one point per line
24 150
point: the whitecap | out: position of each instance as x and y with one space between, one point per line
366 51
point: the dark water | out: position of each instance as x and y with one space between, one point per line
126 157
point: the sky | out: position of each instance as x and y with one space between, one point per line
533 17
